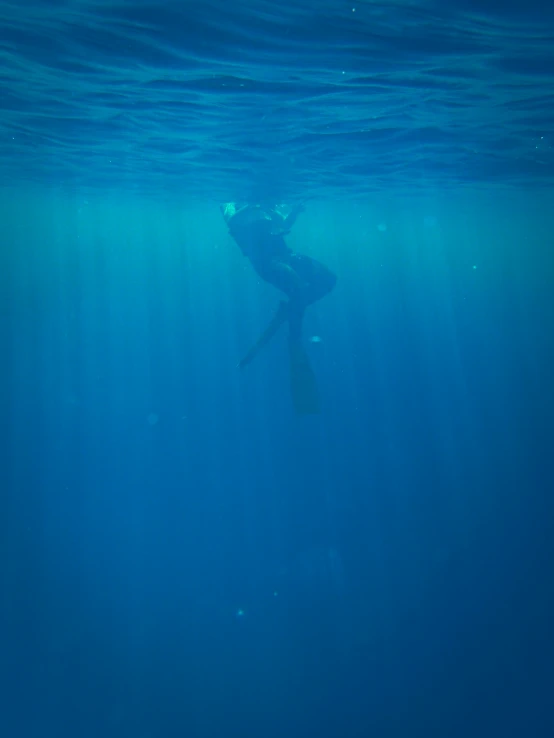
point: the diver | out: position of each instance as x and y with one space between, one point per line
260 234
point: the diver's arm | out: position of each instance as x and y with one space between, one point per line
293 215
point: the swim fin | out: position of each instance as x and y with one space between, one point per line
303 384
277 321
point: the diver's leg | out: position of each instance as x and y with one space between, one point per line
317 279
296 316
303 383
300 292
277 321
282 275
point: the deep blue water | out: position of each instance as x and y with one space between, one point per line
181 554
307 97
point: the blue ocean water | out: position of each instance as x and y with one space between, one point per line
323 99
181 553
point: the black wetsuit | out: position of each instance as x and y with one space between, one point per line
260 234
